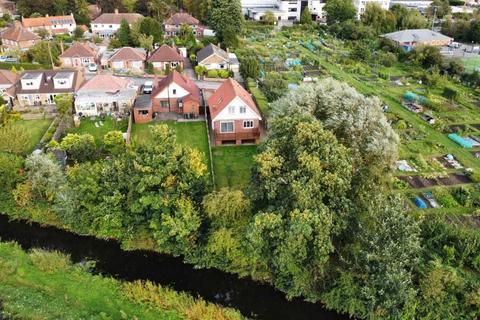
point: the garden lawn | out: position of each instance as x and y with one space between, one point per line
232 165
190 134
35 129
470 64
87 126
46 285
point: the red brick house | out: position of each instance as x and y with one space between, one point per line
166 58
235 117
178 94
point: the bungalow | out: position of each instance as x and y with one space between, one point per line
410 38
38 88
178 94
128 59
105 94
17 37
213 57
78 55
107 24
173 25
54 25
166 58
7 82
234 115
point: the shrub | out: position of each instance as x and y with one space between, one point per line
462 195
387 59
212 74
10 166
444 198
200 70
224 74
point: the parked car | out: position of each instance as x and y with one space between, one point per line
3 58
11 59
148 87
92 67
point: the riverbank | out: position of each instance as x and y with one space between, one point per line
47 285
249 297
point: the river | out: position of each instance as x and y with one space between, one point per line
252 299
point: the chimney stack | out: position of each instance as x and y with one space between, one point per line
116 10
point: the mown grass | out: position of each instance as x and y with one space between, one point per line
87 126
232 165
46 285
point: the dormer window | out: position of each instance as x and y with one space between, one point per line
243 109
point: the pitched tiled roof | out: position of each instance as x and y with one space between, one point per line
78 49
165 54
128 53
7 77
229 90
116 18
106 83
182 81
210 50
47 21
18 33
182 17
46 85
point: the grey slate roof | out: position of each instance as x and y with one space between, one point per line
209 51
415 35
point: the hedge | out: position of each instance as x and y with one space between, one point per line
25 66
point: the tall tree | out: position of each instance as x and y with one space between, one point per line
306 16
379 19
160 9
226 19
123 34
339 11
438 9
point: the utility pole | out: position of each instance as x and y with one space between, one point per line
50 54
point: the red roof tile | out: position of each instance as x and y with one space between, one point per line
47 21
116 18
165 54
182 81
78 49
229 90
128 53
18 33
182 17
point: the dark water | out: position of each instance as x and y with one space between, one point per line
252 299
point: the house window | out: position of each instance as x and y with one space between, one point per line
222 66
227 127
164 104
243 109
174 91
248 124
231 109
143 112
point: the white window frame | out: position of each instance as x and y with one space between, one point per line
231 109
227 122
243 109
248 122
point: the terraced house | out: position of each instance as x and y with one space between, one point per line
39 88
53 24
